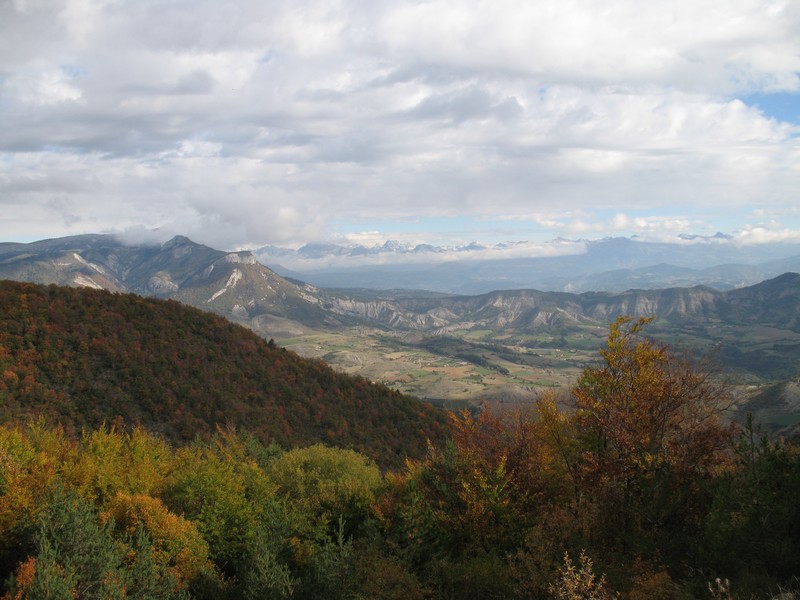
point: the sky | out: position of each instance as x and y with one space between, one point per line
260 122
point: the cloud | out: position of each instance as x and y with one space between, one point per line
701 46
44 86
441 255
466 104
765 234
286 122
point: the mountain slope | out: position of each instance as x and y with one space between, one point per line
233 284
84 356
773 302
776 301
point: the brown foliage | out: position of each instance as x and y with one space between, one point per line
82 357
646 408
23 578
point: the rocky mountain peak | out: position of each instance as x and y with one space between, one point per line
178 240
244 258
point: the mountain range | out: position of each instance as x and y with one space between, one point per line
612 264
236 285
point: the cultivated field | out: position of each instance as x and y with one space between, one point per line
466 367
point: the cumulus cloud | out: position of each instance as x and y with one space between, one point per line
252 123
764 234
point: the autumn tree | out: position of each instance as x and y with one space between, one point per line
175 543
78 557
30 459
224 494
650 435
327 484
452 517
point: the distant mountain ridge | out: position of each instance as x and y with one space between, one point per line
612 264
774 302
236 285
230 283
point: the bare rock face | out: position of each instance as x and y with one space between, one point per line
244 258
240 312
160 284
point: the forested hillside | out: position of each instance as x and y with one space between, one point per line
81 357
642 491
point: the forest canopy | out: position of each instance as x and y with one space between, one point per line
82 357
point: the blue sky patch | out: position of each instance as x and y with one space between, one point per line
782 106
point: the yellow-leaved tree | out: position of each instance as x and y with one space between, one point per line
650 435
